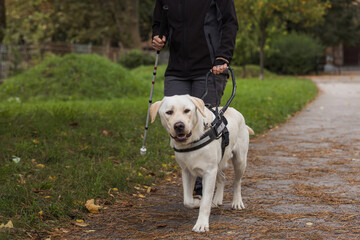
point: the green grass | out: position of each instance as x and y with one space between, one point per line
87 146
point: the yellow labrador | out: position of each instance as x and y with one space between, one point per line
186 119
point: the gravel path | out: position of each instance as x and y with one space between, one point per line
302 182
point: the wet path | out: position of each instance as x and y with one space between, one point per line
302 182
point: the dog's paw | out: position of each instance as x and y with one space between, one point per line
201 227
237 205
217 202
194 204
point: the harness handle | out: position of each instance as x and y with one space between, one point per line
222 111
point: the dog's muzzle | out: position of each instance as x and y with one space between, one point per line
179 129
181 137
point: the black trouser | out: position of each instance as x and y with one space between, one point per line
196 87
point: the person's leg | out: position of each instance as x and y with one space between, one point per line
213 95
176 86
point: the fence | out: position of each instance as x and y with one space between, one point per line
14 58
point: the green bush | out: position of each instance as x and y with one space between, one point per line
73 77
135 58
294 54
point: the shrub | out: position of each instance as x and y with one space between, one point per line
135 58
73 77
294 54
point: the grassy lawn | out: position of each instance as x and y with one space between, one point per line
73 147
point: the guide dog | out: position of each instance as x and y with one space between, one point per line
186 119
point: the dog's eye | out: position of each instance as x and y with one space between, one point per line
170 112
186 110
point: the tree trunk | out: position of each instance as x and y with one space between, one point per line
262 52
127 21
132 24
2 20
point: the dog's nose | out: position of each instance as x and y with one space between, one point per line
179 126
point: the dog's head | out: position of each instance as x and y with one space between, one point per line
180 115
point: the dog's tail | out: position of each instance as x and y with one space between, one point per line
251 132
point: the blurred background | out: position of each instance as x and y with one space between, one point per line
294 37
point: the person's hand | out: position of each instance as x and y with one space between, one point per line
220 65
158 43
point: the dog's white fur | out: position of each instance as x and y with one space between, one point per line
206 162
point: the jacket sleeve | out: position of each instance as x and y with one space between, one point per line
229 29
157 18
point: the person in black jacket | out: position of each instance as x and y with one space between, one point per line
201 36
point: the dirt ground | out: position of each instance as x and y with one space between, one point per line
302 182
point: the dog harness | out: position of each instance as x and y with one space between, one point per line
217 129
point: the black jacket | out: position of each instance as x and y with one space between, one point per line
198 32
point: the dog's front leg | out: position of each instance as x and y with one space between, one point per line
188 186
209 180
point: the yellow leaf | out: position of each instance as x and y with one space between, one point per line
47 196
40 213
90 205
52 178
141 196
79 220
115 189
36 141
8 225
40 165
82 224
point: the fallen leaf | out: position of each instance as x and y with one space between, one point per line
16 159
161 226
309 224
52 178
110 194
89 231
79 220
91 206
40 165
8 225
81 224
141 196
22 180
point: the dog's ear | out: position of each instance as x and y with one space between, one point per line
154 109
199 104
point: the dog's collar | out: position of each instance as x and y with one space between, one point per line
218 129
